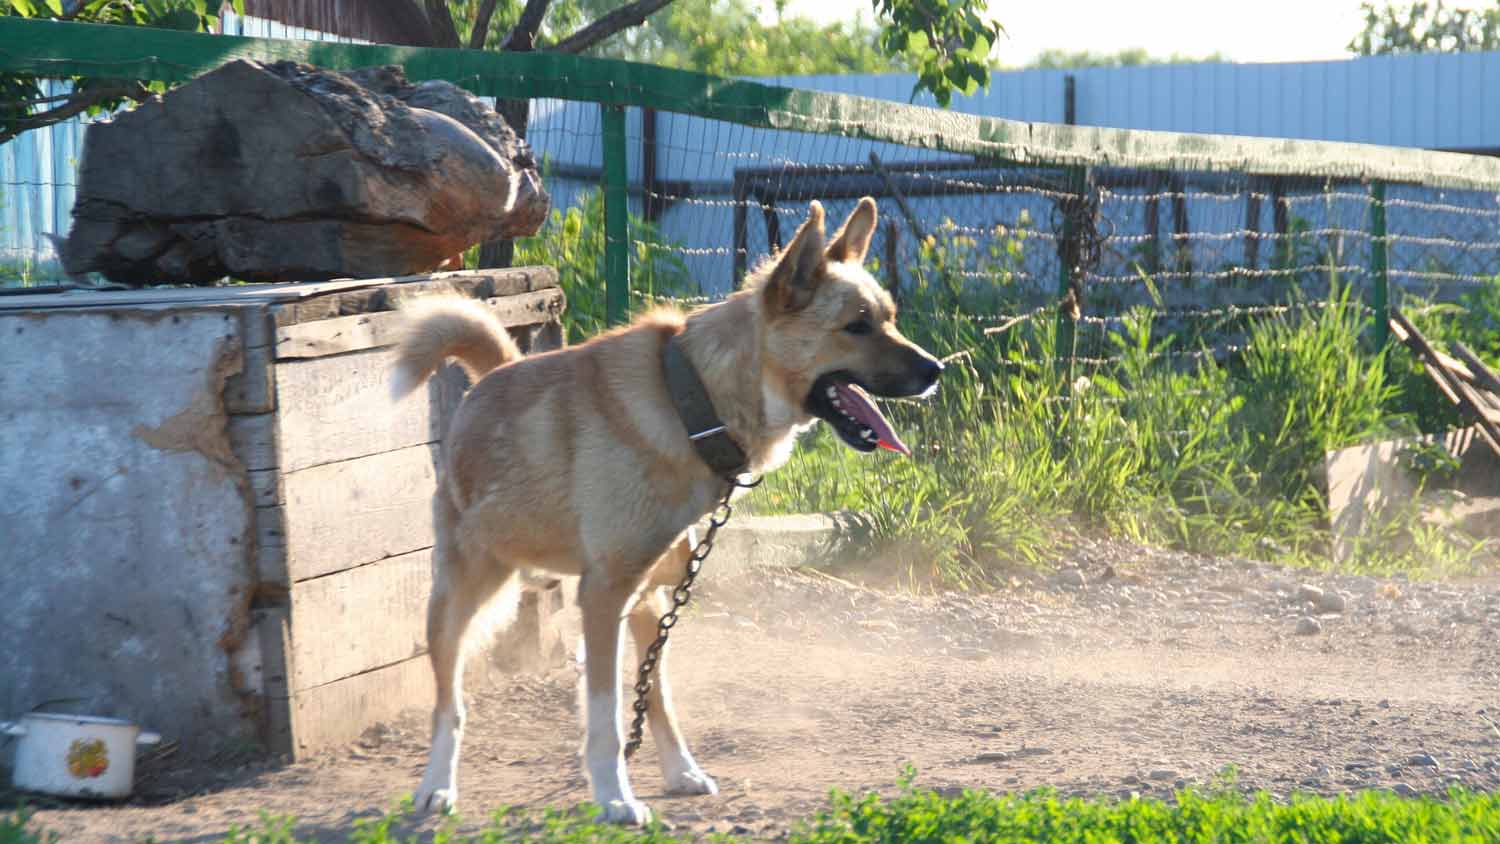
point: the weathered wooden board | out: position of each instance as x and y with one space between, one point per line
252 438
270 546
265 487
367 331
337 713
252 390
271 627
388 295
340 515
339 408
256 326
176 298
355 620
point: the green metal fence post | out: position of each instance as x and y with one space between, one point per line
1380 297
616 233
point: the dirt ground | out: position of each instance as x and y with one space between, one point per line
1136 672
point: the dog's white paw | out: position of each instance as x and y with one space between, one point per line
430 798
630 812
691 781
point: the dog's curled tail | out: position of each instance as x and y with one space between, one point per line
444 327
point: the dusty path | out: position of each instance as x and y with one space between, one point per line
1145 678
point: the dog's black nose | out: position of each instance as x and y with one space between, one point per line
932 368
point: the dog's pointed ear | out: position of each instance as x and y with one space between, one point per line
853 239
800 267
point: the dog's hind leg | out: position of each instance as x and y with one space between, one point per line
461 587
681 772
602 599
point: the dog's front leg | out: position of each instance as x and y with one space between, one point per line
678 768
602 598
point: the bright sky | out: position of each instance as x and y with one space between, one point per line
1242 30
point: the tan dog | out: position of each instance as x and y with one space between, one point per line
577 462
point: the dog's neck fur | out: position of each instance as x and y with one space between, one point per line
723 343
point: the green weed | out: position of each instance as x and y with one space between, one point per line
1218 815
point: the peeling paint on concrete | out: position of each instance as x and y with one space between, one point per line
201 425
127 520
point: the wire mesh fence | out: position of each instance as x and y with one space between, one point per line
1007 222
1103 291
1203 250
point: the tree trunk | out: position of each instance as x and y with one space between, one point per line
498 254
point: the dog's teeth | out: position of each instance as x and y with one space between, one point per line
836 403
833 392
866 433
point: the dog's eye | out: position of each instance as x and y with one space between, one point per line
859 327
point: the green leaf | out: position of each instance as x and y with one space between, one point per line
56 6
184 19
239 7
23 8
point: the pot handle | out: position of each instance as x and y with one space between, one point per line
148 738
11 728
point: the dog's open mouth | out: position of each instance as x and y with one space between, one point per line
840 402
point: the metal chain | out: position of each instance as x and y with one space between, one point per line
680 597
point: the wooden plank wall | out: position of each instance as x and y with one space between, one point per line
343 481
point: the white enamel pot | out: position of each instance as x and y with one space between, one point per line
76 755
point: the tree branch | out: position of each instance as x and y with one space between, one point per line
411 16
77 103
443 31
624 17
522 36
481 25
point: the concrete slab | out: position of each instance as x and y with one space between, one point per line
125 519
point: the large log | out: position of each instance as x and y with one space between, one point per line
284 172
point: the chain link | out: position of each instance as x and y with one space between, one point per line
680 597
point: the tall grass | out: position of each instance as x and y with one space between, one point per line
1165 443
1029 446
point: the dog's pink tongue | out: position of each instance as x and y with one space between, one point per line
857 403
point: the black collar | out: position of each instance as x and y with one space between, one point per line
705 429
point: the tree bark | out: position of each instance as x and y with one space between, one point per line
522 36
72 105
482 25
497 254
443 30
624 17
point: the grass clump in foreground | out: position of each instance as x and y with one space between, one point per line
916 816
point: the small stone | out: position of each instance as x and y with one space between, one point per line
1309 626
1422 760
1162 775
1309 593
1072 578
1332 602
1404 790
